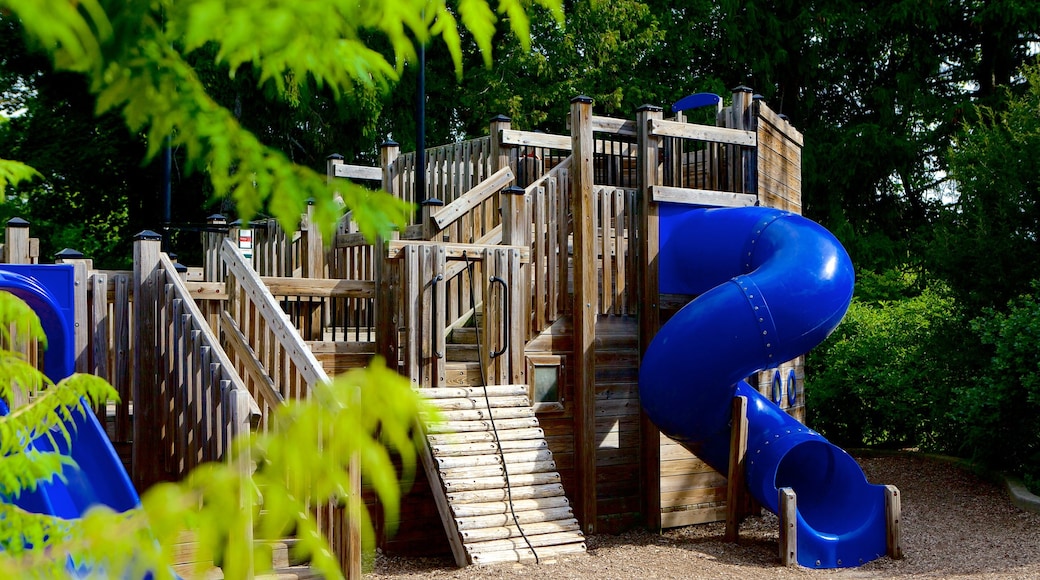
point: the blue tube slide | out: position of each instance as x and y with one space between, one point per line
770 286
98 476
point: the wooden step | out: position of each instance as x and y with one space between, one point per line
462 374
464 335
498 491
462 353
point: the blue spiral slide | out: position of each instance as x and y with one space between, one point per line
770 286
98 476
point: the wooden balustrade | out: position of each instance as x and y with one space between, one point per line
190 402
279 366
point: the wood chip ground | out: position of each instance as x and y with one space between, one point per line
955 525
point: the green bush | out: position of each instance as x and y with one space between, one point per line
885 377
1000 411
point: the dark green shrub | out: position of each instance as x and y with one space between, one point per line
1001 410
884 377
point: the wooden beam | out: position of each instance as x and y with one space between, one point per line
472 198
454 251
894 531
147 464
358 172
788 503
584 310
649 167
663 193
622 127
736 490
319 287
531 139
662 128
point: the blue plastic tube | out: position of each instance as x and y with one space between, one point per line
770 286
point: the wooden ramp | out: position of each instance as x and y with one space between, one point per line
494 478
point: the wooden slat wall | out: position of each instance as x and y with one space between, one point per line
779 161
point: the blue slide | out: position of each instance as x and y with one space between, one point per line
99 476
770 286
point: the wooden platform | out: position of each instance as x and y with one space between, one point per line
499 493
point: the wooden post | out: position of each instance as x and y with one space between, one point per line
516 231
649 168
788 504
585 308
387 287
736 490
894 532
147 457
314 249
16 246
80 266
499 152
216 231
499 157
740 118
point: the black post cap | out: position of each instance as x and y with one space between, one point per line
69 254
148 235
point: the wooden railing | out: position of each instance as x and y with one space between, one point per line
189 401
279 367
491 272
451 171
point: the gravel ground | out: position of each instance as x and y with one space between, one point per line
955 525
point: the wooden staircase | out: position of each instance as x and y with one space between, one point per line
499 492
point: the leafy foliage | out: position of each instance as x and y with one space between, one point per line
1001 410
134 57
988 245
886 376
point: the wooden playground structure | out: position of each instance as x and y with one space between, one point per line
519 300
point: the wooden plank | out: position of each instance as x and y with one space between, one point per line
735 487
453 251
319 287
544 554
478 402
463 474
788 527
492 458
663 193
649 174
504 436
358 172
503 507
478 483
464 426
289 338
440 497
585 308
517 492
249 361
560 514
468 392
472 198
622 127
893 530
532 139
503 532
663 128
701 515
538 540
506 446
99 326
693 497
495 413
